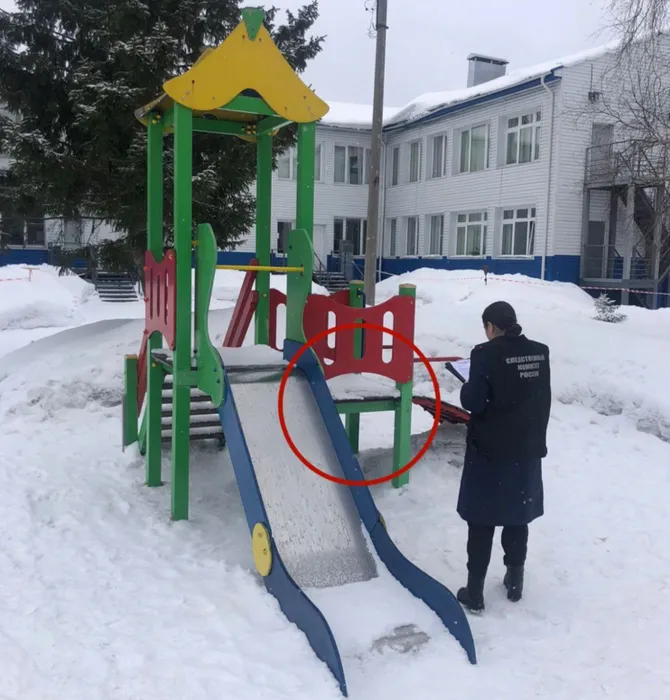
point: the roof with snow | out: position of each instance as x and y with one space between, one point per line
434 104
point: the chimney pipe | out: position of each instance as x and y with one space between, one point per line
484 68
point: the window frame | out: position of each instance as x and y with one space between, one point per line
292 155
278 237
429 230
367 155
462 226
362 233
417 143
487 149
531 231
416 237
395 166
535 127
393 238
430 175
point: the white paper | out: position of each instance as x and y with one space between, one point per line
462 367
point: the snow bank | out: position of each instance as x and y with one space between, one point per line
347 114
614 369
44 301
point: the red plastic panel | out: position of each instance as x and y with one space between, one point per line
341 297
277 298
243 311
401 366
160 296
448 412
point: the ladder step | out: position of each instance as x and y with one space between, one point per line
196 410
197 421
208 431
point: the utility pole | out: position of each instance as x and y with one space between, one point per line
374 172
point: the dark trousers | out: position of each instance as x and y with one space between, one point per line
480 542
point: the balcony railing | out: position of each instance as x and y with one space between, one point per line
634 161
605 262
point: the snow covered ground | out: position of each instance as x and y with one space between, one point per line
103 598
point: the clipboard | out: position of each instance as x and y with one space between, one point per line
460 369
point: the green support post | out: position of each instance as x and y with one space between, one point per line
181 391
153 398
301 252
353 420
130 414
402 440
263 235
305 182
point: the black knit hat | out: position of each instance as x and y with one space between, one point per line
501 315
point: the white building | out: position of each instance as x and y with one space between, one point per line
493 174
514 172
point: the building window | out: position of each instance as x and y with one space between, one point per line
471 234
436 234
393 232
287 164
395 165
283 228
474 149
35 233
414 161
412 247
352 165
437 156
523 138
317 163
518 232
12 229
352 231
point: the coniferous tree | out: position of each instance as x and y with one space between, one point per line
75 71
608 310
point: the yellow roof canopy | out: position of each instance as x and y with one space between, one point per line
247 60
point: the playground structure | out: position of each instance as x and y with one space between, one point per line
305 532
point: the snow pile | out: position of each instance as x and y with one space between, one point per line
43 301
614 369
347 114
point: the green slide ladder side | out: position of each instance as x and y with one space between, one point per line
208 361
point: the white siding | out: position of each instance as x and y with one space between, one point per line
331 199
499 186
574 137
577 116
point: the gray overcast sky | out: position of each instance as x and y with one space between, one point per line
428 41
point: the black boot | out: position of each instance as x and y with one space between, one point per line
513 582
472 595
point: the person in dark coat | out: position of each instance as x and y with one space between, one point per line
508 395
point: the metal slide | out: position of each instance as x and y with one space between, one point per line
315 524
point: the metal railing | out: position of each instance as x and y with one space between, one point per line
605 262
634 161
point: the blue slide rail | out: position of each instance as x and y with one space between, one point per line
436 596
293 602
